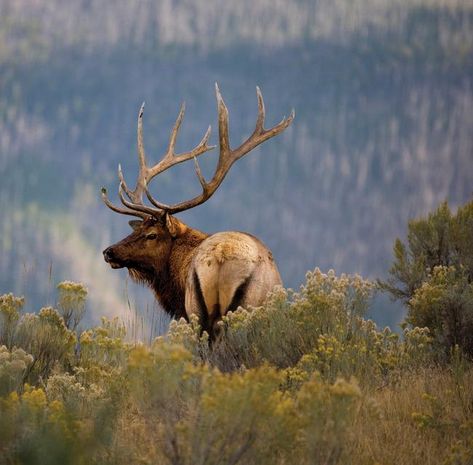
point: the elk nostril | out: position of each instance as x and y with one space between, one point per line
108 253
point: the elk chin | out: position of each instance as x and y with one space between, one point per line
114 264
139 276
117 263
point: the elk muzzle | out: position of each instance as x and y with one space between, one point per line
109 255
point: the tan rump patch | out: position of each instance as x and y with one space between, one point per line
223 261
222 247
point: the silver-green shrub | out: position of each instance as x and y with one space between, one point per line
46 337
304 379
10 307
71 302
13 367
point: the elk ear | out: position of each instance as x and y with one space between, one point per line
135 224
174 226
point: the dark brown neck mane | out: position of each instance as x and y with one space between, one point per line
169 284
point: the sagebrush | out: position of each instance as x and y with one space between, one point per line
305 379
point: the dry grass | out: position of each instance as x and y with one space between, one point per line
423 419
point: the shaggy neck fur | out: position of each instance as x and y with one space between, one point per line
170 282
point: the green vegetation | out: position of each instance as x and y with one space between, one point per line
304 379
433 274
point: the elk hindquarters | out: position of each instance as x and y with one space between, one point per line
229 270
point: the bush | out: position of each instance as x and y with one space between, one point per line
444 304
13 366
288 326
317 330
433 275
304 379
10 307
71 302
197 414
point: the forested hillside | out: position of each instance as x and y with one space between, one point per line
383 132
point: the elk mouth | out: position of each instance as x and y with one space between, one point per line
110 257
115 265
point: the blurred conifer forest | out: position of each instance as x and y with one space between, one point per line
383 132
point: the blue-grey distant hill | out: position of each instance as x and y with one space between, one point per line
383 130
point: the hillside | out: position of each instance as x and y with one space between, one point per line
383 97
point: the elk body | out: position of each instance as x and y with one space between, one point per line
189 271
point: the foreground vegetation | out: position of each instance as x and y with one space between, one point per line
306 379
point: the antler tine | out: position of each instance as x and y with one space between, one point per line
171 158
136 195
260 134
261 112
141 146
202 181
118 209
161 206
222 122
175 130
146 211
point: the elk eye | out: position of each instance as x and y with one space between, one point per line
151 236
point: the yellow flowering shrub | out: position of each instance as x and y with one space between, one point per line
290 323
47 339
103 351
197 414
10 307
319 329
162 377
71 302
328 412
444 304
304 379
36 430
79 398
243 415
432 273
189 335
13 367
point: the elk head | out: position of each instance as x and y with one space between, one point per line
148 247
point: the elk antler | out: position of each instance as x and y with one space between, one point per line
146 173
226 159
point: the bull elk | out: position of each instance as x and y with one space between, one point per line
189 271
